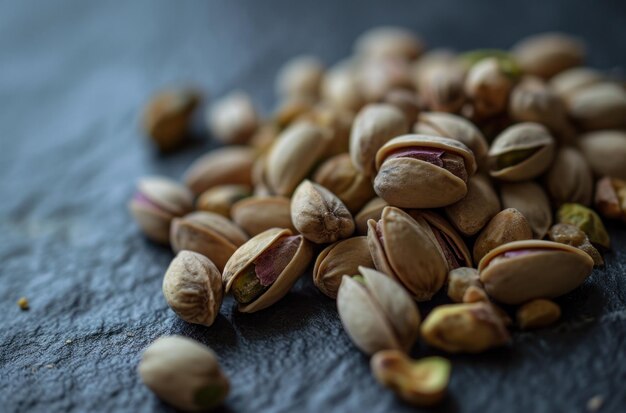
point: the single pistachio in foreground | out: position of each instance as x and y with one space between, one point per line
587 220
537 314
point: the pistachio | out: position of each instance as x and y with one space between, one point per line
459 280
570 81
156 202
599 106
338 124
473 212
319 215
531 200
294 154
420 171
291 109
548 54
377 313
487 86
264 136
572 235
537 314
587 221
208 234
464 328
605 151
389 42
192 287
300 77
184 373
610 198
263 270
521 152
372 210
441 87
220 199
419 382
376 78
341 258
340 88
233 119
260 213
570 178
507 226
475 294
400 244
339 176
230 165
505 60
167 116
520 271
405 100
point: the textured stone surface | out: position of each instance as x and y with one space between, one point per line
72 78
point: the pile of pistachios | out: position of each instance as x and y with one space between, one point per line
394 174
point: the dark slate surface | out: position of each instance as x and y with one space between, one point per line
72 77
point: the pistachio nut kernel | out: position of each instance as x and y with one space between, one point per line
587 220
192 287
520 271
399 244
599 106
487 86
420 171
473 212
229 165
530 199
372 210
572 235
548 54
263 270
300 77
260 213
521 152
475 294
538 314
464 328
459 280
605 151
389 42
570 178
610 198
233 118
420 382
156 202
220 199
377 313
184 373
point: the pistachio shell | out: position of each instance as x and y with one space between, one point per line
487 86
250 251
570 178
572 235
376 78
605 151
372 210
507 226
291 109
220 199
260 213
230 165
537 314
460 280
548 54
441 87
610 198
531 200
340 88
599 106
473 212
337 122
570 81
301 77
546 270
389 42
233 119
587 220
405 100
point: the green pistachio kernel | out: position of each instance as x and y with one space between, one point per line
515 157
507 62
247 286
208 397
359 278
587 221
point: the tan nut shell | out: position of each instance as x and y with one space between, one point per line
570 178
599 106
379 315
521 136
547 54
412 183
220 199
605 151
229 165
300 77
260 213
233 119
248 252
408 253
569 82
192 287
473 212
507 226
372 210
531 200
341 258
552 272
389 42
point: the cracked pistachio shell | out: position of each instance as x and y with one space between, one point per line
319 215
233 118
507 226
587 220
184 373
339 176
570 81
548 54
250 251
473 212
377 313
294 154
389 42
300 77
340 88
605 151
570 178
372 210
610 198
406 250
260 213
487 86
229 165
599 106
521 152
208 234
374 126
220 199
192 287
534 269
407 182
156 202
454 127
531 200
341 258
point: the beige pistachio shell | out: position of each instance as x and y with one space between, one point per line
571 81
192 287
372 210
340 89
552 270
233 118
605 151
208 234
291 109
405 100
294 154
300 77
488 86
570 178
572 235
441 87
341 258
599 106
548 54
389 42
377 314
531 200
264 136
376 78
248 252
220 199
229 165
473 212
460 280
337 122
507 226
408 252
412 183
260 213
521 137
319 215
610 198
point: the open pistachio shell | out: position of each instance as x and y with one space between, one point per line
372 210
473 212
228 165
246 255
409 176
521 152
260 213
521 271
531 200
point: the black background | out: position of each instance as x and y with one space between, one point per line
73 76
